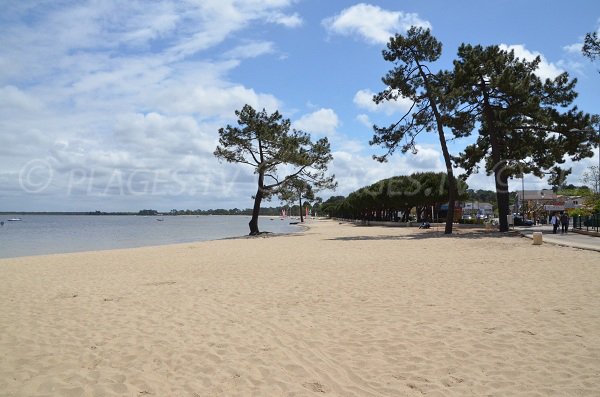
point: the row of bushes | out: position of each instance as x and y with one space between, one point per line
471 221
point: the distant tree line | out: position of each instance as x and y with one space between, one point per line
396 198
264 211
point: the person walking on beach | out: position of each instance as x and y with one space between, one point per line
554 221
564 222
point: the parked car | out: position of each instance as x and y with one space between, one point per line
522 222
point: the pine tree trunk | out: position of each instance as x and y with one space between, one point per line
301 212
256 209
445 153
502 196
451 202
500 176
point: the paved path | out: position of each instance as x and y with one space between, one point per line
570 239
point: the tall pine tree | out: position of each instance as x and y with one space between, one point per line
412 78
524 123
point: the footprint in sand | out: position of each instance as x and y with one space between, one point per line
155 284
315 387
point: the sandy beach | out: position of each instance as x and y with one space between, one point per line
337 310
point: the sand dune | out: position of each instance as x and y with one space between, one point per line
337 310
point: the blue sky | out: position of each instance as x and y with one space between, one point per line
111 105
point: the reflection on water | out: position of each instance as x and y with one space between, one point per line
47 234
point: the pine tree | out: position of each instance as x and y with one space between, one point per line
523 127
266 142
412 78
591 46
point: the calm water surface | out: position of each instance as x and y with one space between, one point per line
48 234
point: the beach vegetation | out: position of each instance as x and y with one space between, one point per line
399 198
277 153
329 207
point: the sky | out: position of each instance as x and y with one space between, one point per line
115 105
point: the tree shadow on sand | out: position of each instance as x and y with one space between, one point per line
431 234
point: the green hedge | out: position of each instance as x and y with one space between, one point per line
471 221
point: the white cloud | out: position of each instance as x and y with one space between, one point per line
218 19
546 70
364 120
289 21
326 122
573 48
148 22
12 98
322 121
364 100
572 66
350 146
213 101
372 23
251 49
156 133
110 91
354 170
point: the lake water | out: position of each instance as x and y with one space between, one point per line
48 234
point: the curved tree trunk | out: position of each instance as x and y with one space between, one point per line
445 153
256 209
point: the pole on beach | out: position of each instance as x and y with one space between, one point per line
522 196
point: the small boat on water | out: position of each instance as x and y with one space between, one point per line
14 220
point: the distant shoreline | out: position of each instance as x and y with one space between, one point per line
5 213
66 213
57 233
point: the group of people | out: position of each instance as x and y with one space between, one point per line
562 220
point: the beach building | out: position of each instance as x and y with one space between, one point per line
529 199
573 202
539 204
477 209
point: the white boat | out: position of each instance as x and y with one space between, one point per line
14 220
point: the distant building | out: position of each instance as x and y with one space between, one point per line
541 195
477 208
572 202
543 202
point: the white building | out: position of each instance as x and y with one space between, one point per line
540 195
573 202
475 208
545 200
